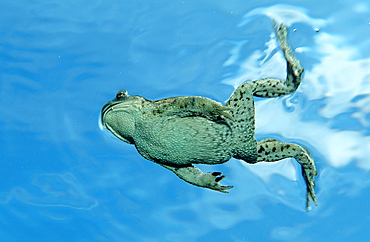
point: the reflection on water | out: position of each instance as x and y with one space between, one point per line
284 13
91 178
339 80
55 190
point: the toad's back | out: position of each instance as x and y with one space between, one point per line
184 140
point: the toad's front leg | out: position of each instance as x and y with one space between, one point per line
195 176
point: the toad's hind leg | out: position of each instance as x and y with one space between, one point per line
270 150
271 87
242 104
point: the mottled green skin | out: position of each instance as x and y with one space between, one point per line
181 131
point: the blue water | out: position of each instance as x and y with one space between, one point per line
65 179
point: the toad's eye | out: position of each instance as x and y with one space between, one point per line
121 94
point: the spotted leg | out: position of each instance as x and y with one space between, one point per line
271 87
270 150
242 103
195 176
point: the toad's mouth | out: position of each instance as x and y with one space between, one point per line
112 106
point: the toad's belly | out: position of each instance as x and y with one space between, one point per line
181 141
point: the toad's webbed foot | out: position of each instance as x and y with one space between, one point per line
294 66
195 176
211 180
